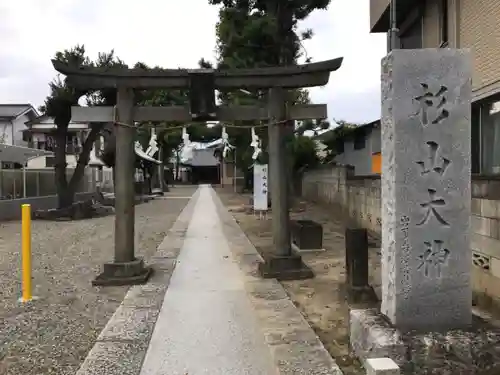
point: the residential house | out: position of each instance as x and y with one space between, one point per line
39 135
458 24
12 119
359 147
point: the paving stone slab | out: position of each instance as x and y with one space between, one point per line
130 323
122 345
143 297
295 346
114 358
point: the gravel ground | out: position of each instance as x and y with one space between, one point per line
53 334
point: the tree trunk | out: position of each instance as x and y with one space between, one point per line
66 191
64 195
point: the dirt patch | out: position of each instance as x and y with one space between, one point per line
322 300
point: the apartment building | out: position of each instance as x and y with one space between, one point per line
470 24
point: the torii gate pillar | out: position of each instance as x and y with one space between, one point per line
283 264
126 268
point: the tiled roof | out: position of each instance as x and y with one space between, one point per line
13 110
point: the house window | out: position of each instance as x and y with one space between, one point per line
475 138
410 37
443 23
50 161
359 141
490 138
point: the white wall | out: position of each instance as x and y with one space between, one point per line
204 157
361 160
11 131
6 132
40 162
19 126
36 163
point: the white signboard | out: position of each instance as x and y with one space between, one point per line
260 187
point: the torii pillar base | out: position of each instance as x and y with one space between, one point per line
126 273
157 192
289 267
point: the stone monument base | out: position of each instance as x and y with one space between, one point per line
473 351
289 267
307 234
127 273
361 294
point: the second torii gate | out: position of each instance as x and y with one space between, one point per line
126 268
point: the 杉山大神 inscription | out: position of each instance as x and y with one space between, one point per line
435 100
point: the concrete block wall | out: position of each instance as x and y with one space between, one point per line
10 209
485 244
360 198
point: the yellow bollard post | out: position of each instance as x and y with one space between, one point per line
26 253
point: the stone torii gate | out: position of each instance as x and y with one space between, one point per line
126 268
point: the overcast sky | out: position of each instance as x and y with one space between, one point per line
173 34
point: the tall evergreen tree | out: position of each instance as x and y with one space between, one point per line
260 33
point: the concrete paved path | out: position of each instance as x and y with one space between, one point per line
207 324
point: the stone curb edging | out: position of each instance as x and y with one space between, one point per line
295 347
121 346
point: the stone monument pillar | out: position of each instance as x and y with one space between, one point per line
426 257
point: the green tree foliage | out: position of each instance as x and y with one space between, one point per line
334 139
58 106
62 97
260 33
304 153
265 30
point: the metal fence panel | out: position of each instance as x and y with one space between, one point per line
40 183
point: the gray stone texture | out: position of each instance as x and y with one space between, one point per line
114 358
381 366
372 337
472 351
130 324
426 96
10 209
